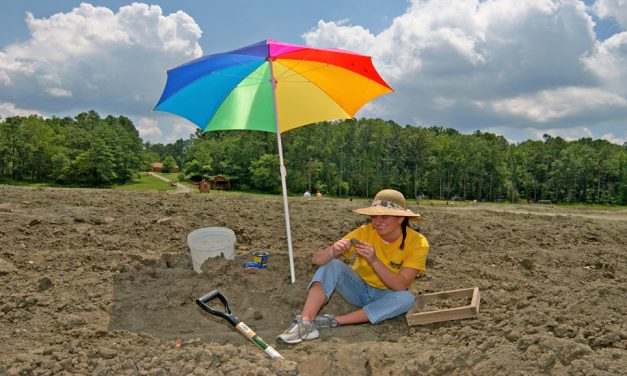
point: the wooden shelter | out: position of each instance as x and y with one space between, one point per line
157 167
220 182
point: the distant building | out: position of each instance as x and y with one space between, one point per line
157 167
217 182
220 182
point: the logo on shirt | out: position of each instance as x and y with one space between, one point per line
394 265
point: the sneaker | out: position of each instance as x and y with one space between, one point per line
299 331
326 321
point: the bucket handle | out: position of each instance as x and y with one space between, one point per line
226 314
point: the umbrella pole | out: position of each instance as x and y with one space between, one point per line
285 206
283 174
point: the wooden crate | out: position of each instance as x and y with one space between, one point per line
417 315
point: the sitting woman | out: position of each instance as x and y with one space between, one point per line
389 255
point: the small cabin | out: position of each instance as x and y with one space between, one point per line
220 182
157 167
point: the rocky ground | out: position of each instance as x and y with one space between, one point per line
99 282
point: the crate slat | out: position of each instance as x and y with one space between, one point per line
415 317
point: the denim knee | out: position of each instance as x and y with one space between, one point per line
331 269
392 304
327 275
406 299
333 266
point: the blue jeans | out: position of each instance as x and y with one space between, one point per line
379 304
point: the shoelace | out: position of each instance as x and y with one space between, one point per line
298 324
305 331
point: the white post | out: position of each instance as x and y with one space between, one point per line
283 174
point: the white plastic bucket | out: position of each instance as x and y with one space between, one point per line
210 242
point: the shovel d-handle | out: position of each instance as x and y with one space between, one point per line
235 321
225 314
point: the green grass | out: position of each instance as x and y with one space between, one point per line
43 184
174 177
145 183
519 202
439 202
589 206
27 183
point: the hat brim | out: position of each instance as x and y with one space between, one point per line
378 210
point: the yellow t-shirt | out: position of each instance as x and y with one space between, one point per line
413 255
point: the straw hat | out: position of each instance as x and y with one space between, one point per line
389 202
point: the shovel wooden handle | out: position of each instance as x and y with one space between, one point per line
235 321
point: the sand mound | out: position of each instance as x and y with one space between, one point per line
100 282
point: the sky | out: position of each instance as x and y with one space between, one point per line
521 69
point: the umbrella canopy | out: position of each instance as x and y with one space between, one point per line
273 87
234 90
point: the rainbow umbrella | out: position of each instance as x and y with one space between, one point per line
273 87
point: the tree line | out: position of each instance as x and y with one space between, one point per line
81 151
348 158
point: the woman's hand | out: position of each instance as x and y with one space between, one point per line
327 254
366 251
339 247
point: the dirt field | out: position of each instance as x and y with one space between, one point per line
99 282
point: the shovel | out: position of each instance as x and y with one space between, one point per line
235 321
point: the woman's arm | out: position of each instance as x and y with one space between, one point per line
395 281
324 255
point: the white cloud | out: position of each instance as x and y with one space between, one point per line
353 38
557 104
95 58
510 65
568 134
180 130
609 62
9 109
166 129
616 9
4 77
441 103
610 137
58 92
147 128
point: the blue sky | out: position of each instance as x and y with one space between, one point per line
516 68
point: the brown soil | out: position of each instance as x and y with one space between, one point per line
99 282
